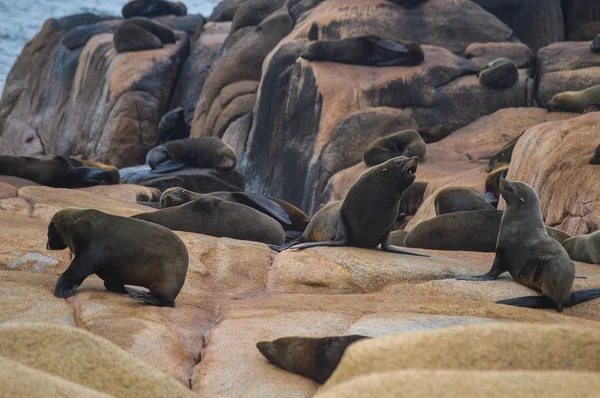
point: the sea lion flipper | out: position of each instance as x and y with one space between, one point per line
87 176
498 268
538 302
168 167
389 45
147 297
386 247
581 296
83 265
269 206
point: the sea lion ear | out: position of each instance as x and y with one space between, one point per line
522 200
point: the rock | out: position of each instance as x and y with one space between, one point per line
553 159
229 90
203 54
566 66
225 10
71 353
580 12
253 12
585 32
482 54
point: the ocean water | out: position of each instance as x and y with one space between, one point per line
20 20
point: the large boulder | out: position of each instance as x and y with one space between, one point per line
579 13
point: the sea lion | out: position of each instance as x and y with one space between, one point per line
153 8
500 73
454 199
137 34
216 217
575 101
292 219
475 230
365 50
407 3
406 143
532 258
595 46
315 358
121 251
412 198
492 183
172 126
434 134
397 237
203 152
58 171
584 248
367 214
504 155
596 158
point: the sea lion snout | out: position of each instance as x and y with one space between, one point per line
267 348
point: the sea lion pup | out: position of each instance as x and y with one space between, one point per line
406 143
172 126
292 219
121 251
595 46
584 248
504 155
203 152
315 358
367 214
500 73
222 219
57 171
492 183
575 101
596 158
137 34
365 50
153 8
532 258
454 199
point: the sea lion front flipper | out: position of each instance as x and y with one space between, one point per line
269 206
581 296
83 265
389 45
168 167
386 247
538 302
498 268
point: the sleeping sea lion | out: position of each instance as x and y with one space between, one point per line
58 171
216 217
172 126
367 214
454 199
492 183
596 158
292 219
500 73
153 8
584 248
407 3
138 34
315 358
365 50
406 143
532 258
575 101
203 152
504 155
121 251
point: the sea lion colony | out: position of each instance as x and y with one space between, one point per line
142 250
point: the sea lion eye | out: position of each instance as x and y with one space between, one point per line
522 200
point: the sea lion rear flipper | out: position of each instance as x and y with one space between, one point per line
331 243
147 297
267 205
386 247
389 45
497 269
538 302
581 296
285 246
168 167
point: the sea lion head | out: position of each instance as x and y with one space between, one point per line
172 197
564 102
55 239
518 194
400 170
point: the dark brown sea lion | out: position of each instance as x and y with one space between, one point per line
315 358
406 143
595 46
475 230
367 215
58 171
412 198
292 219
153 8
138 34
216 217
365 50
121 251
407 3
203 152
397 237
492 183
575 101
172 126
584 248
500 73
504 155
454 199
532 258
434 134
596 158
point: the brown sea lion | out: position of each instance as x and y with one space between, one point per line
434 134
595 46
203 152
500 73
315 358
138 34
492 183
406 143
153 8
575 101
121 251
172 126
397 237
584 248
454 199
532 258
367 214
504 155
292 219
216 217
475 230
365 50
412 198
407 3
58 171
596 158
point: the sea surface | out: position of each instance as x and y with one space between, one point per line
20 20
